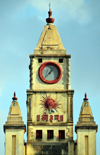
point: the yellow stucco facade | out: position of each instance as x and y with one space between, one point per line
19 133
91 134
50 106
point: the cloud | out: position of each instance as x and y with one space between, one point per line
17 41
10 7
81 11
69 10
2 85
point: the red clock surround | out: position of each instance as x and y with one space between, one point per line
47 64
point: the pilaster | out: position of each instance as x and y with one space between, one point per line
71 147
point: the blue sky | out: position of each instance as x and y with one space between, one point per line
21 23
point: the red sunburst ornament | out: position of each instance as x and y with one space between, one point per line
49 103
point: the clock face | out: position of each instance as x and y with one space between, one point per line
50 72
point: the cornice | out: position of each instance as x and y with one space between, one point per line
86 126
50 55
49 124
51 91
11 126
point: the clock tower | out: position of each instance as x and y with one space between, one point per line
50 106
50 98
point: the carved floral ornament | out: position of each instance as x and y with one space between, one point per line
51 105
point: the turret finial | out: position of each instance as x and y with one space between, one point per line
85 99
50 20
49 6
14 98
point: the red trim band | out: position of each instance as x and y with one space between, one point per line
47 64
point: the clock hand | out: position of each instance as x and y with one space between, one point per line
49 72
46 73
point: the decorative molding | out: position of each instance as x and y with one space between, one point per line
31 72
71 108
50 55
30 91
68 74
88 126
30 123
19 126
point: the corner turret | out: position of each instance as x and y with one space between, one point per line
14 130
86 130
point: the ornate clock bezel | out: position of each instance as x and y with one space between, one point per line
47 63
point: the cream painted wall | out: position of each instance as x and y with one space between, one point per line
81 133
38 84
19 141
32 133
37 110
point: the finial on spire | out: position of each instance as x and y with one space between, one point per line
50 20
14 98
49 6
85 99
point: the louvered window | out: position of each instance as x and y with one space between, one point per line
38 134
61 134
49 134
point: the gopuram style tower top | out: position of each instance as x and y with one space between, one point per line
50 41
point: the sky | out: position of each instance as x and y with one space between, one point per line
21 24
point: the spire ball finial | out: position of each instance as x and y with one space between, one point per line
50 20
14 98
85 99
